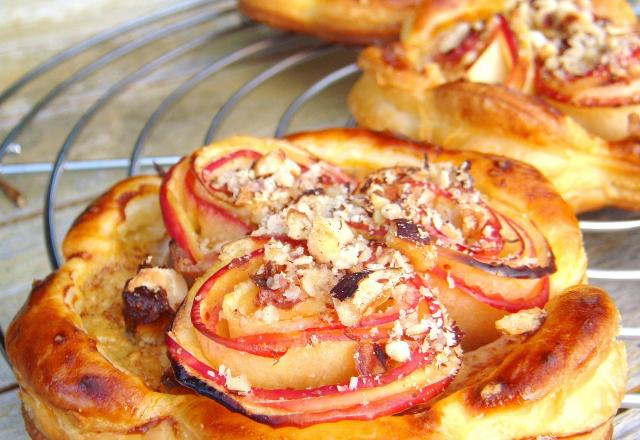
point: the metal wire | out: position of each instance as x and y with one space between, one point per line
52 248
199 77
609 226
217 10
312 91
631 401
91 42
287 63
629 333
602 274
110 57
84 165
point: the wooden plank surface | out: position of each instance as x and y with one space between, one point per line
33 30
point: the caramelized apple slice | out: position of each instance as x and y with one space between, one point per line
597 88
376 396
491 56
220 194
233 162
176 211
452 234
499 58
207 311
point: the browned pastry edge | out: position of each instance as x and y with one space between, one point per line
60 359
69 387
549 357
575 337
342 21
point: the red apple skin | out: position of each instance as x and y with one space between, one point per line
296 407
276 345
230 225
177 197
520 66
605 90
538 298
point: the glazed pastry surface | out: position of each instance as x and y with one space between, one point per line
342 21
84 376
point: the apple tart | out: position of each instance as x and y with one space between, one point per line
341 308
552 83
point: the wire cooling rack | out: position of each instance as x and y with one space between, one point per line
220 22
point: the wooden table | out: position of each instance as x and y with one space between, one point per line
31 31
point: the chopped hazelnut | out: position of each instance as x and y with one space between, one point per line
269 164
328 239
156 278
398 350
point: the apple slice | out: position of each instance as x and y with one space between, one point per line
368 399
238 160
206 315
471 43
508 294
500 286
207 164
597 88
215 220
454 235
499 60
192 220
511 283
199 215
249 184
315 378
177 212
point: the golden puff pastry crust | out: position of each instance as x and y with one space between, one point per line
83 376
342 21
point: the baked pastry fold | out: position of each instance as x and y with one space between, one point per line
84 376
580 121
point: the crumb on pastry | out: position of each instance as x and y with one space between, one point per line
524 321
